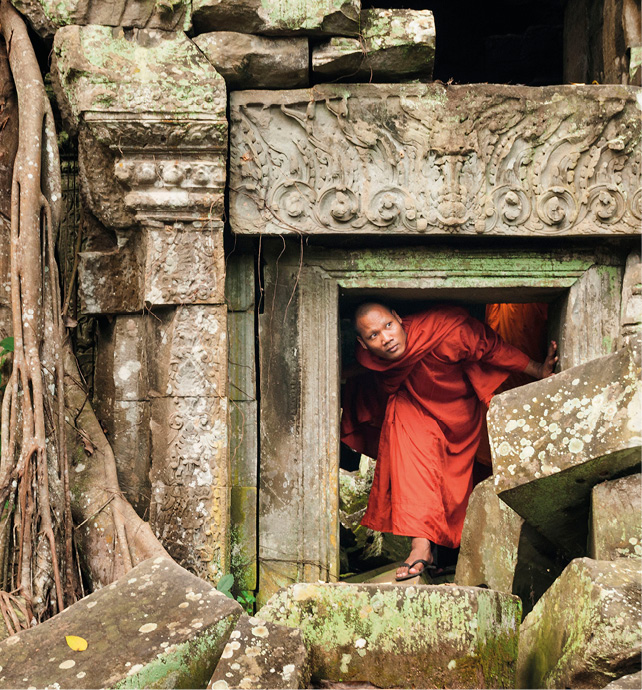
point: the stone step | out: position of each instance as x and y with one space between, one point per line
403 636
553 440
159 626
586 630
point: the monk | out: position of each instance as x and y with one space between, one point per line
420 410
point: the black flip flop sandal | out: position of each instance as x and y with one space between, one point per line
427 566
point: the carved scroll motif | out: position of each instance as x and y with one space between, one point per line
433 159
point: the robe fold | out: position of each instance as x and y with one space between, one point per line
421 416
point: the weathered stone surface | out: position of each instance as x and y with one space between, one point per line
239 281
243 442
317 17
616 519
190 482
633 681
154 110
256 62
47 16
393 44
586 630
586 332
423 636
159 626
185 265
444 161
262 655
121 359
111 281
242 347
500 551
189 351
554 439
631 318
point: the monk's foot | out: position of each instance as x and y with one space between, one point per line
421 551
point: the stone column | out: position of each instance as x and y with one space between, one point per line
150 113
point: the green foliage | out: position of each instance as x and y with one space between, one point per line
244 597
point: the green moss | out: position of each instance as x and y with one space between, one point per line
187 665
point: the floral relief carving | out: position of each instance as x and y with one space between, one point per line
429 158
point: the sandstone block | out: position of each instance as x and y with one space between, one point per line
128 426
189 346
396 159
242 348
616 519
586 629
121 359
631 317
244 450
256 62
422 636
239 281
502 552
184 265
586 332
96 68
316 17
554 439
393 44
262 655
47 16
190 503
159 626
123 291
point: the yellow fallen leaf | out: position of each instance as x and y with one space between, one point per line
78 644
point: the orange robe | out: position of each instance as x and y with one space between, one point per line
430 405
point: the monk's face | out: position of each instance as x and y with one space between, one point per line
380 331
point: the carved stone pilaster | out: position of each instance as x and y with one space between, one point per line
150 112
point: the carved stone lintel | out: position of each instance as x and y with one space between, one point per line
481 159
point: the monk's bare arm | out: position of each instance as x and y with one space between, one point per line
540 370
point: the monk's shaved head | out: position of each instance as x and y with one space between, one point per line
365 308
380 330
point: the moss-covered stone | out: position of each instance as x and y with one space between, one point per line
586 630
392 44
97 68
47 16
413 636
157 627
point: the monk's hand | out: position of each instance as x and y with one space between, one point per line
548 365
540 370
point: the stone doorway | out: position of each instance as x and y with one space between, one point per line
304 288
